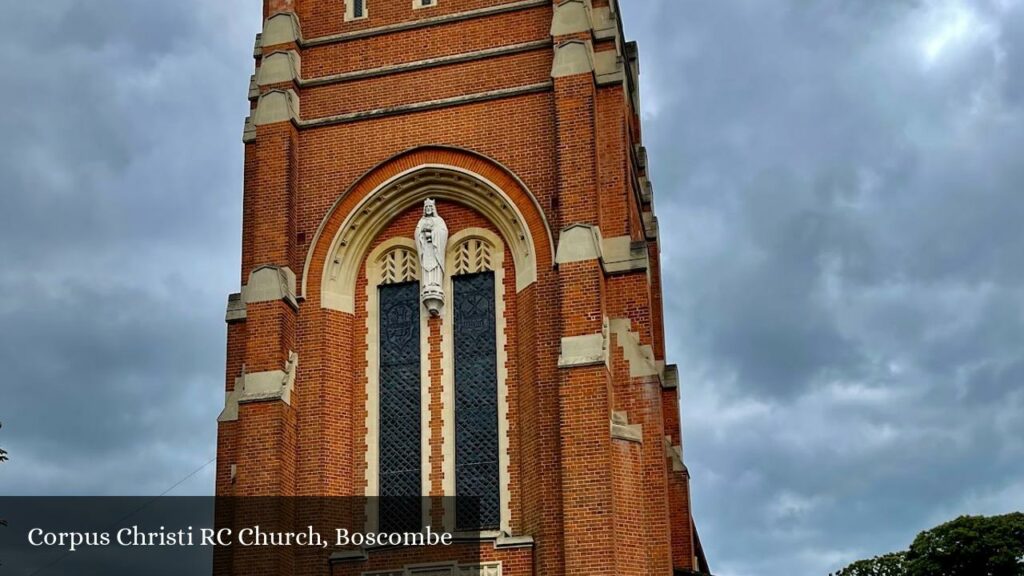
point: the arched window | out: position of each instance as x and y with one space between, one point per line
396 398
475 426
400 456
476 394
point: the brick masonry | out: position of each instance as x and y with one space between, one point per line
564 150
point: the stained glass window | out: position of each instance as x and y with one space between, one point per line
476 402
400 487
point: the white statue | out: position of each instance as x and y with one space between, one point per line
431 243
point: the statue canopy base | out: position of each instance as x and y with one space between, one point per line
434 305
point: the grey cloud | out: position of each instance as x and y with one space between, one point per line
143 28
120 203
1013 38
117 134
847 257
147 29
106 375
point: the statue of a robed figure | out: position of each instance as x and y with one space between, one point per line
431 243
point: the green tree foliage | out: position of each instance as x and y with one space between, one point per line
970 546
886 565
967 546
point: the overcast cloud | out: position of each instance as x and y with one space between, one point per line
846 254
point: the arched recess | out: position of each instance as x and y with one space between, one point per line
393 261
488 256
349 229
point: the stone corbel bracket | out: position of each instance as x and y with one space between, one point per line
236 309
646 187
621 429
280 66
281 28
572 17
248 131
609 68
641 157
578 16
272 106
254 88
266 284
261 387
669 376
269 283
573 57
675 455
576 56
631 58
651 230
619 255
585 350
605 21
277 106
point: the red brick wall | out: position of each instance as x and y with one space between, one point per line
521 69
327 17
563 155
423 43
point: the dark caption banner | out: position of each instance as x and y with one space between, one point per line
122 536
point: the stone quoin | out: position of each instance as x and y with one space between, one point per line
451 286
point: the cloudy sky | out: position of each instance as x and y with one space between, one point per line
845 190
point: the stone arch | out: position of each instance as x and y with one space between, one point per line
351 226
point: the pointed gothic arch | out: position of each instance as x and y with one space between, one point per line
359 215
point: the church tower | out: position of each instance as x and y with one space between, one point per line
450 286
